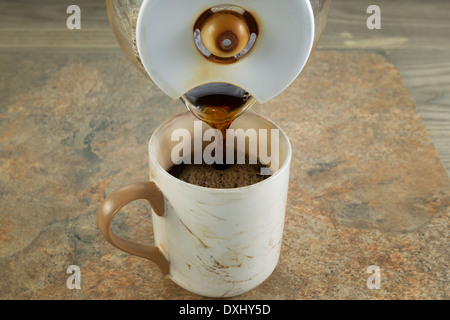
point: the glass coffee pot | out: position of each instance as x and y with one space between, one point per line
219 58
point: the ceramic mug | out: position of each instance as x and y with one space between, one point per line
212 242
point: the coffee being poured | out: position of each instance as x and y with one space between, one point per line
225 35
220 59
218 104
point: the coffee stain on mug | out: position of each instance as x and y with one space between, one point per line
200 240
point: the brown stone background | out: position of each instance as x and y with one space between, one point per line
367 185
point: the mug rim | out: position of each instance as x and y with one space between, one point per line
154 160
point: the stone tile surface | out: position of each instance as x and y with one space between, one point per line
367 185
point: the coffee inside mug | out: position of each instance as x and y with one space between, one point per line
258 151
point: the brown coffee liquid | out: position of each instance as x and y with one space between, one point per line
218 105
219 111
210 176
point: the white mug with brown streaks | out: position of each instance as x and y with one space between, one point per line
212 242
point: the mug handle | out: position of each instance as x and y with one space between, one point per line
115 202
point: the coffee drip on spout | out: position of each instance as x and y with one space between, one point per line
225 34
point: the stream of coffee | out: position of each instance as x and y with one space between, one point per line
218 105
